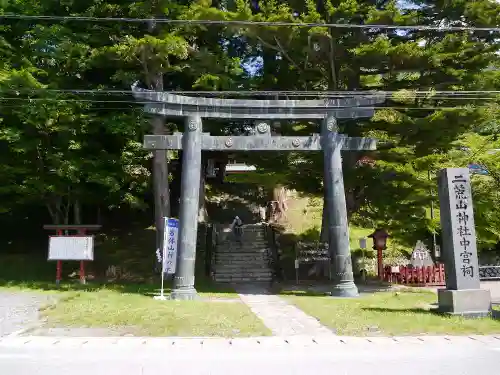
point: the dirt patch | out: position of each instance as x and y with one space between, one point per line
19 310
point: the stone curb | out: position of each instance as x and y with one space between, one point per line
268 341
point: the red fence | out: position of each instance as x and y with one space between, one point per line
415 276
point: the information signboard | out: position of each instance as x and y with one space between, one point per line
71 248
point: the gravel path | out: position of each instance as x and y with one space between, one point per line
19 310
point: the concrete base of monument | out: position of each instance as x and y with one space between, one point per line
184 294
345 290
469 303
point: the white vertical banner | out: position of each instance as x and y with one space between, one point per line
170 241
169 253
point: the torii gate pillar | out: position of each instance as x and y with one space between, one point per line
336 209
188 214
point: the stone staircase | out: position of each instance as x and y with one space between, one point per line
245 261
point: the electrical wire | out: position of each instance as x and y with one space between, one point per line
441 98
427 108
454 94
247 23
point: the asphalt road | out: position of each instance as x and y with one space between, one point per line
295 355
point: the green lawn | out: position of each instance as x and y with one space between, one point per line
130 308
388 313
142 315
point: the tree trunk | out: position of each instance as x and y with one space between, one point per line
202 209
160 183
324 222
54 207
154 79
77 214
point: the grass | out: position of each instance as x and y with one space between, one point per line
142 315
130 308
388 313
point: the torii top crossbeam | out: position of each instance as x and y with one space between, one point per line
172 105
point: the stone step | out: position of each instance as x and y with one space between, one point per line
261 252
251 265
248 249
243 267
263 268
242 263
241 249
242 271
246 228
242 243
241 259
252 242
235 255
246 232
242 279
241 254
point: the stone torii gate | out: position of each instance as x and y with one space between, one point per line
193 141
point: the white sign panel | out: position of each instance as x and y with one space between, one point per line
170 240
362 243
71 248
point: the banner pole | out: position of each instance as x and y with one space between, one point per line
163 268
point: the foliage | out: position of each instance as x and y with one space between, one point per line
71 134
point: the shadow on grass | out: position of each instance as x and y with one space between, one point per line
322 289
413 310
432 311
146 289
302 293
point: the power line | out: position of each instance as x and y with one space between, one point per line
247 23
466 94
137 108
156 102
428 108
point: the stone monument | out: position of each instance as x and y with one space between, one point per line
421 257
194 140
463 295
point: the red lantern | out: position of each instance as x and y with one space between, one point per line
380 243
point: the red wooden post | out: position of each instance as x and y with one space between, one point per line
380 263
441 273
82 232
379 242
58 272
389 273
59 263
